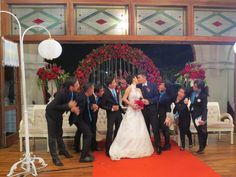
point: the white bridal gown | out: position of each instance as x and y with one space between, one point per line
132 140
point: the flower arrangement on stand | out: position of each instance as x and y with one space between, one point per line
50 78
191 72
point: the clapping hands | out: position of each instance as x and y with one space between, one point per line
94 107
73 107
72 104
75 110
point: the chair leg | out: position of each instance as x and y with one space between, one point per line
81 141
219 135
34 142
47 144
232 137
179 144
21 144
194 139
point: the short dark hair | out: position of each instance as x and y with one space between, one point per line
201 85
130 78
87 86
184 89
109 80
142 74
97 88
69 82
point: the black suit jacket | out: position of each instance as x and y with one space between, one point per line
150 92
93 101
199 106
108 101
59 104
182 110
164 105
84 114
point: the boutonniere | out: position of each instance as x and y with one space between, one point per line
199 100
148 89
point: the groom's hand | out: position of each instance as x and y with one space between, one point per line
145 101
115 107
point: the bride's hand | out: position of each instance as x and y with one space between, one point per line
134 106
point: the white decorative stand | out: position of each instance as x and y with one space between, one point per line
27 163
52 89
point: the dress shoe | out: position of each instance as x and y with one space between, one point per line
158 150
66 154
181 148
77 150
57 162
166 147
200 151
86 159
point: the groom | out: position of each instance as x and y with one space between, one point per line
110 102
150 100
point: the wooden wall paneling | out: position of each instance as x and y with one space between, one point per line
190 20
36 1
234 91
2 127
103 2
70 19
132 19
132 39
5 19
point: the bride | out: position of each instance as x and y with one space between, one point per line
132 139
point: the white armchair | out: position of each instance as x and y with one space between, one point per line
38 125
217 122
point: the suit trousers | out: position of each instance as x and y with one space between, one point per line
55 133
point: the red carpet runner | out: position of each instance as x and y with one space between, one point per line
173 163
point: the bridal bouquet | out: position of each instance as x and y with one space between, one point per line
139 103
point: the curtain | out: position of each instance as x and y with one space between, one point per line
10 53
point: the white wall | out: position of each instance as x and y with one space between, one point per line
32 62
219 63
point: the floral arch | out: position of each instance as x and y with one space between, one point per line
134 56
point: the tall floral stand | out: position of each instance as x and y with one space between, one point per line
52 89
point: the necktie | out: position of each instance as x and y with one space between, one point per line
72 96
88 107
114 95
96 100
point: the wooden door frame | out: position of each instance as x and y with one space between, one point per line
11 139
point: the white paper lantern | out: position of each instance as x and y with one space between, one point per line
235 48
49 49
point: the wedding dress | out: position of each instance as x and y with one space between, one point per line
132 139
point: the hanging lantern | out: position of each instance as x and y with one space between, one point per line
49 49
234 47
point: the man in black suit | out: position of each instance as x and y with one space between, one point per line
164 109
150 95
110 102
83 121
95 100
62 102
199 110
